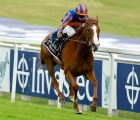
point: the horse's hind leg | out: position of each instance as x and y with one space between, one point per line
91 76
50 67
73 91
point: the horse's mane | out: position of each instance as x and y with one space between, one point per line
88 20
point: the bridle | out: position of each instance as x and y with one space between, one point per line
87 42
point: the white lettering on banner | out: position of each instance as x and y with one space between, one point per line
90 98
131 99
33 74
23 83
86 86
62 82
66 94
40 72
81 84
48 81
42 76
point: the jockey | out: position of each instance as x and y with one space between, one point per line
73 19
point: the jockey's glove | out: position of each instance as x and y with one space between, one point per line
59 34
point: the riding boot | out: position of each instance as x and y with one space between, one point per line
58 41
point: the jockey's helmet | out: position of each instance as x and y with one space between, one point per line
81 9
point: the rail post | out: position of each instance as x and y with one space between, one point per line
14 73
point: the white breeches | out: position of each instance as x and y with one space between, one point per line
69 30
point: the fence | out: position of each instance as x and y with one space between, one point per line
104 53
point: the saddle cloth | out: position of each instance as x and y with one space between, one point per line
56 53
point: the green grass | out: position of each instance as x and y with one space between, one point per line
119 17
37 109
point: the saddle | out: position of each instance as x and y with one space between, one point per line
56 52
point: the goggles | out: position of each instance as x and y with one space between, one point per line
81 16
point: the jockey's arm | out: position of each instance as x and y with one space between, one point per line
65 22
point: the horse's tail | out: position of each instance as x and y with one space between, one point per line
41 60
41 63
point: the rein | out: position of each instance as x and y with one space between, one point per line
87 42
76 41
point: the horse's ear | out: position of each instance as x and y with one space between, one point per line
97 19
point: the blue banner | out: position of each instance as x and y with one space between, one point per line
128 87
33 80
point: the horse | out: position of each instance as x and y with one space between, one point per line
76 59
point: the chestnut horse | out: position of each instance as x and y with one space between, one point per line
76 59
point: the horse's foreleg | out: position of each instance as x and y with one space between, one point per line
73 91
91 76
71 97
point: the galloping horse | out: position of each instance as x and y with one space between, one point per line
76 59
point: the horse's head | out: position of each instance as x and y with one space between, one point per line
92 31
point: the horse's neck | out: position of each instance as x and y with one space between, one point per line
82 48
78 29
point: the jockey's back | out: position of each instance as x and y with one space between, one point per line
71 19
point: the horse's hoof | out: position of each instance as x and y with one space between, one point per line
93 108
78 112
62 100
